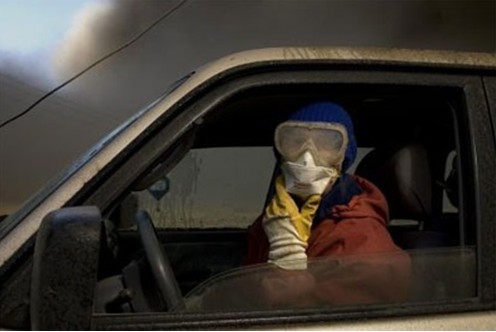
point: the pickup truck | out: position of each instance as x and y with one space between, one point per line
148 229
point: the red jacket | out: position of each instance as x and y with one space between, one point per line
371 269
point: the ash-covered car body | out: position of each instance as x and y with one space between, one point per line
198 163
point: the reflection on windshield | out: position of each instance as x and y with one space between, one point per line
437 274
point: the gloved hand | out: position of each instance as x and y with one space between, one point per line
288 228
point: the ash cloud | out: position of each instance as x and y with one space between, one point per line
105 25
101 28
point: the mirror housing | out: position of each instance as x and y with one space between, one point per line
65 267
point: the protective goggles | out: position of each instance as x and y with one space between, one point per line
326 141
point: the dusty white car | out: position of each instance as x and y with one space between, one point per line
148 230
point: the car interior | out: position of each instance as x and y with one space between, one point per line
408 142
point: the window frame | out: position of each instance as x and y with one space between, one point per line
480 166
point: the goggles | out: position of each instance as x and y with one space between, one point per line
326 141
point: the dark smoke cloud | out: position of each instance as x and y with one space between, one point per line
464 25
458 25
102 27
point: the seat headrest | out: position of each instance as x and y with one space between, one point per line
404 177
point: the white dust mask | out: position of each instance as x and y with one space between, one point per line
303 178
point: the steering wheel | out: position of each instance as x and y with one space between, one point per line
159 263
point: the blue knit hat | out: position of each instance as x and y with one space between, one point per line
330 112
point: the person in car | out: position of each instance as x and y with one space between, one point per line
319 210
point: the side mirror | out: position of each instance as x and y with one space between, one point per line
65 268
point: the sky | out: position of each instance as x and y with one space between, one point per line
37 24
31 29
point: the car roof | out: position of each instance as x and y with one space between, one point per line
344 55
443 58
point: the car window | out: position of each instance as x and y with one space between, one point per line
211 188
